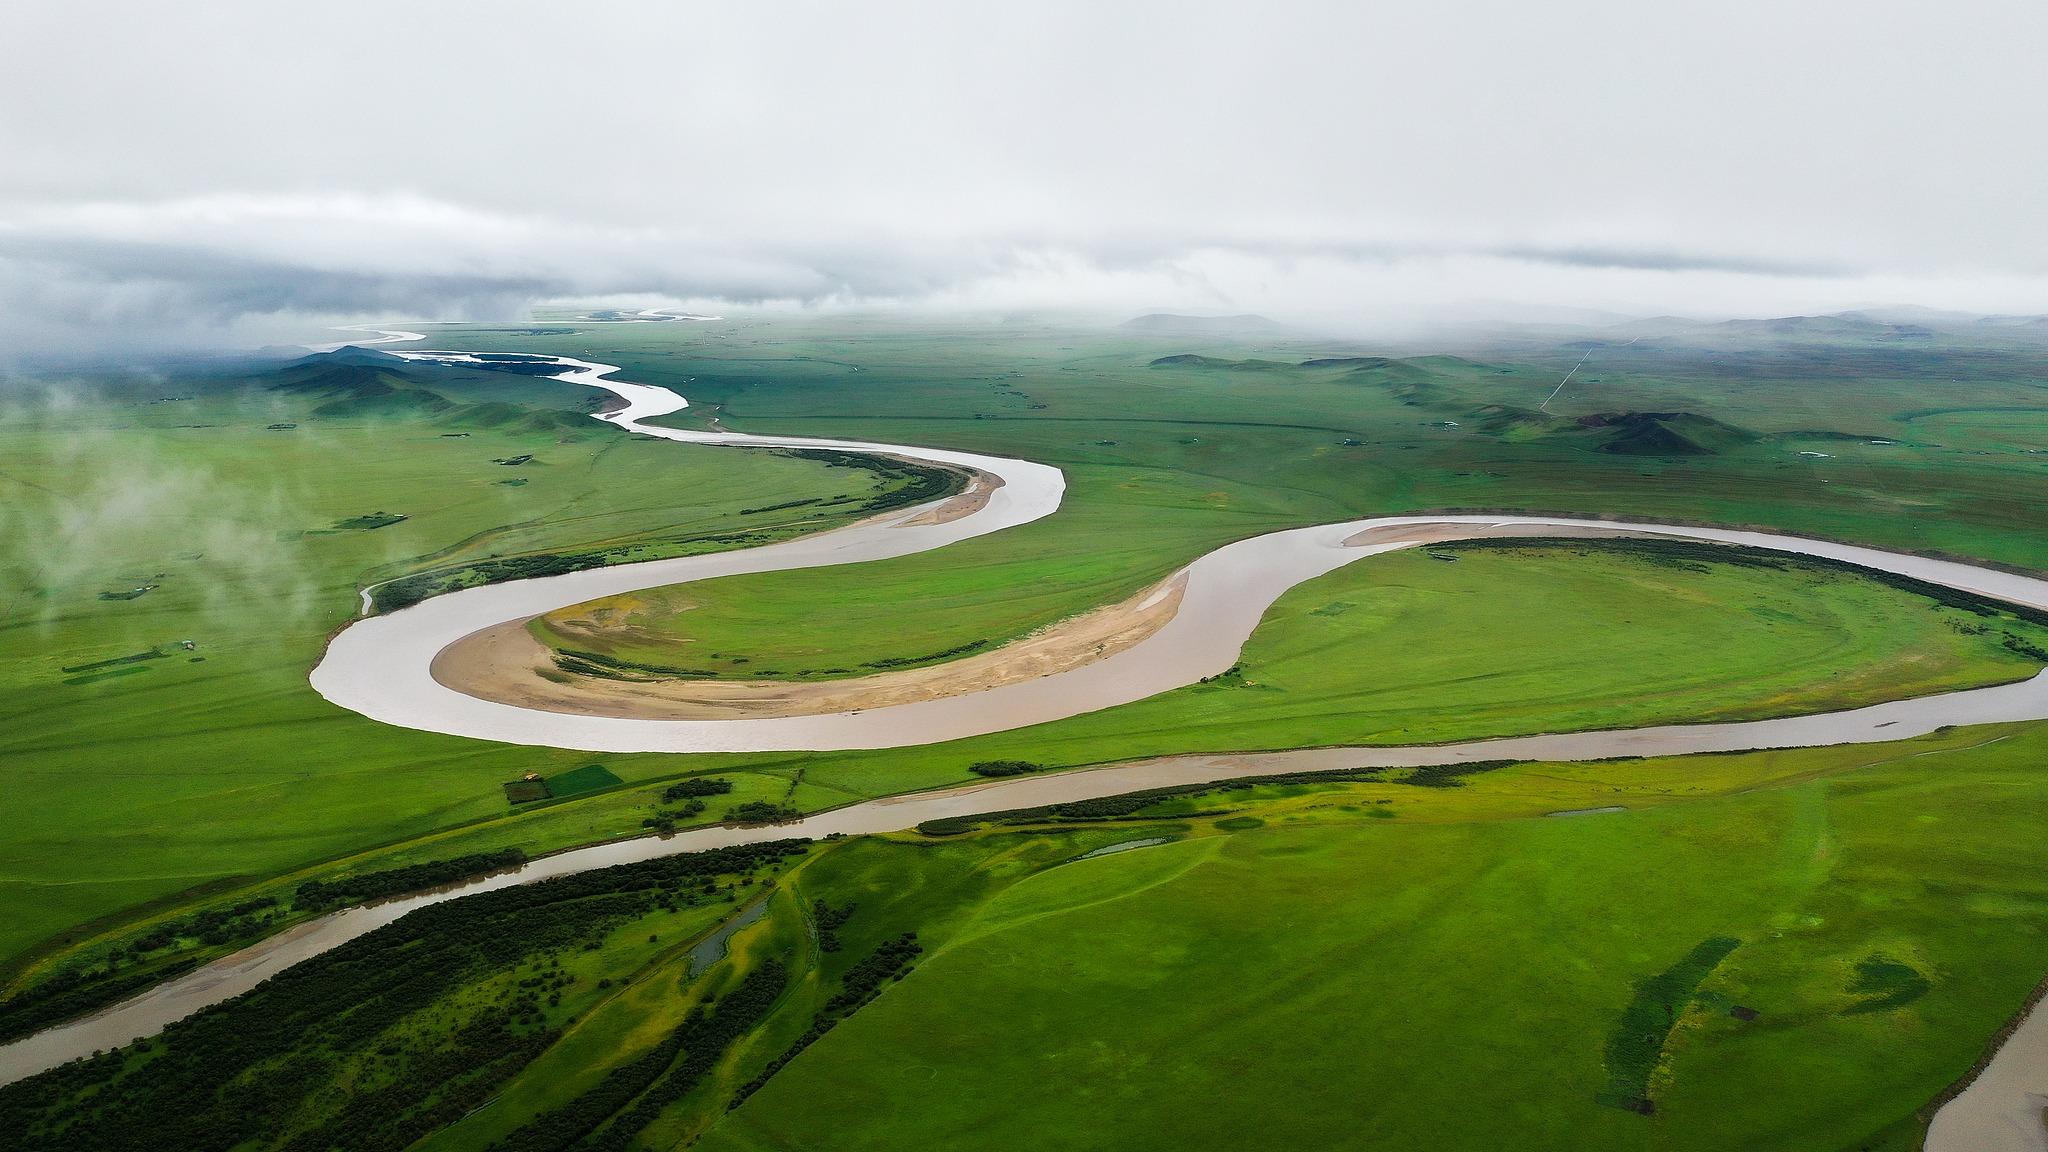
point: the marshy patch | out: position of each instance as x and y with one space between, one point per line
712 948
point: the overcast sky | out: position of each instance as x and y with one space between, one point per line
220 171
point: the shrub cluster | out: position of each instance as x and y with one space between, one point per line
762 812
1003 767
695 786
665 821
828 920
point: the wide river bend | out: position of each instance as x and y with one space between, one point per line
381 668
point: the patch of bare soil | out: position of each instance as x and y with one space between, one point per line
507 664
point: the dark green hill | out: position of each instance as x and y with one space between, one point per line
1190 360
1665 433
1617 433
355 388
360 382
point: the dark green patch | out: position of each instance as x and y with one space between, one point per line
695 786
525 791
588 778
1003 767
929 657
1637 1042
133 658
370 522
108 674
1240 823
762 812
1886 984
135 593
1450 775
396 881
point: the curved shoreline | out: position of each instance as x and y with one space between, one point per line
509 665
381 668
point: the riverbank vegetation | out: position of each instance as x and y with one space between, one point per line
1858 919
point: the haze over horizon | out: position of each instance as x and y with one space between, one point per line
193 179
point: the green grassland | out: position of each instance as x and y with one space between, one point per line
1454 985
1166 460
1442 966
1381 652
162 786
1496 639
185 768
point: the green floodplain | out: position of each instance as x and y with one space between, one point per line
1444 961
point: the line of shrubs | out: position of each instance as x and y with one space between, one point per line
1131 803
318 894
862 983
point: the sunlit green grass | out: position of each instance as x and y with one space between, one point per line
187 777
221 762
1333 980
1167 463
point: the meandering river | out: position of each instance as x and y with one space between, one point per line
381 668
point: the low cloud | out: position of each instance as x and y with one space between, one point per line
200 176
112 282
101 510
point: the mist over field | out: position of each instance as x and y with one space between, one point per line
1349 168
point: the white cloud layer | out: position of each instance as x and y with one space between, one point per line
184 175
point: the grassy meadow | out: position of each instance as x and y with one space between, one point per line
1844 437
1464 964
243 510
154 769
1475 982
